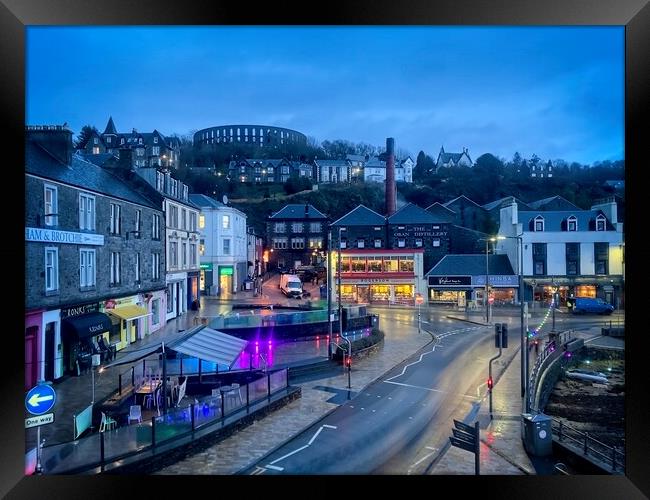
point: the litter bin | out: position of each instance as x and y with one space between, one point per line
248 285
538 435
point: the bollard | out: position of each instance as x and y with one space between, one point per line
101 450
192 415
153 432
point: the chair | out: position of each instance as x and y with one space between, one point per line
181 392
235 387
135 413
216 392
107 423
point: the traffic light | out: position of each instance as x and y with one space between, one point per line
490 383
348 361
497 335
504 335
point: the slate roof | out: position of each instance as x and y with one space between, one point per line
355 157
413 214
360 216
99 159
461 197
110 127
332 163
565 204
443 213
553 219
472 265
203 201
297 211
497 203
446 157
80 173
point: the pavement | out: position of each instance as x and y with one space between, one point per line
501 445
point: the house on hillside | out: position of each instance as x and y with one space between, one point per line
453 159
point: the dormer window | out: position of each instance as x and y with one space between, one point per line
572 224
155 140
140 140
361 243
539 223
122 141
600 223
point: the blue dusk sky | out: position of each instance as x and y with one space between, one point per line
557 92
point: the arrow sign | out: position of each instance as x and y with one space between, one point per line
40 399
463 444
464 427
470 438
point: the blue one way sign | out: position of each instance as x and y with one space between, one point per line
40 399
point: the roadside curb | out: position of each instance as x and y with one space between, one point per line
468 321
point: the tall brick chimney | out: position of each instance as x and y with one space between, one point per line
390 176
55 139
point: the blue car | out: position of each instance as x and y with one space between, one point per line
583 305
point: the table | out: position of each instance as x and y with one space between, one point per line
147 389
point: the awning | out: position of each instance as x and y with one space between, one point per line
210 345
87 325
135 355
129 312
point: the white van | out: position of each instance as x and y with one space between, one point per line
290 285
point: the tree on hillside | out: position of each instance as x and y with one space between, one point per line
84 135
424 167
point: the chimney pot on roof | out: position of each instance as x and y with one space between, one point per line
55 139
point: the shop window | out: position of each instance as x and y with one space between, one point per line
345 265
374 264
115 336
379 293
406 264
358 264
600 223
377 243
155 312
390 264
361 243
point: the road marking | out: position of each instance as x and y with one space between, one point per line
329 426
274 467
423 458
427 389
259 470
288 454
314 436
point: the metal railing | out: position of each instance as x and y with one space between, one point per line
99 450
583 443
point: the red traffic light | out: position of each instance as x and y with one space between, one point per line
490 383
348 361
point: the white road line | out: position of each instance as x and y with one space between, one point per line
315 436
275 467
289 454
431 448
426 389
329 426
423 458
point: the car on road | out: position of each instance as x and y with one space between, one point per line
584 305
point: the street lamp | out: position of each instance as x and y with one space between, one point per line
487 275
339 283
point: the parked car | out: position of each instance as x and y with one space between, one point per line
291 286
583 305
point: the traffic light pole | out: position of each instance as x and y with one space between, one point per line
490 380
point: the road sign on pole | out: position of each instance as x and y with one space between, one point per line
40 399
39 420
466 437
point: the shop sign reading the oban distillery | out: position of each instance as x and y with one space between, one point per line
56 236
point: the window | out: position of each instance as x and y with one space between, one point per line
226 246
173 216
280 227
418 242
155 266
138 219
573 259
435 242
115 268
155 141
572 224
122 140
601 257
296 227
390 264
193 254
539 223
377 243
225 221
297 243
183 219
600 223
86 212
374 264
539 258
315 242
173 253
184 254
86 267
115 218
108 139
201 247
361 243
193 221
155 311
51 202
358 264
140 151
170 297
344 243
137 268
406 264
201 221
51 269
279 242
401 243
155 150
155 227
95 140
314 227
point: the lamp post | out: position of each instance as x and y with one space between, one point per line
329 294
339 283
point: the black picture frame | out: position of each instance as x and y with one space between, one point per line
633 14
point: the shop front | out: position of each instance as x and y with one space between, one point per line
226 276
175 297
155 304
206 279
379 277
79 326
33 342
608 288
129 320
449 290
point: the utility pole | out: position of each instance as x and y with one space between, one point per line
329 294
